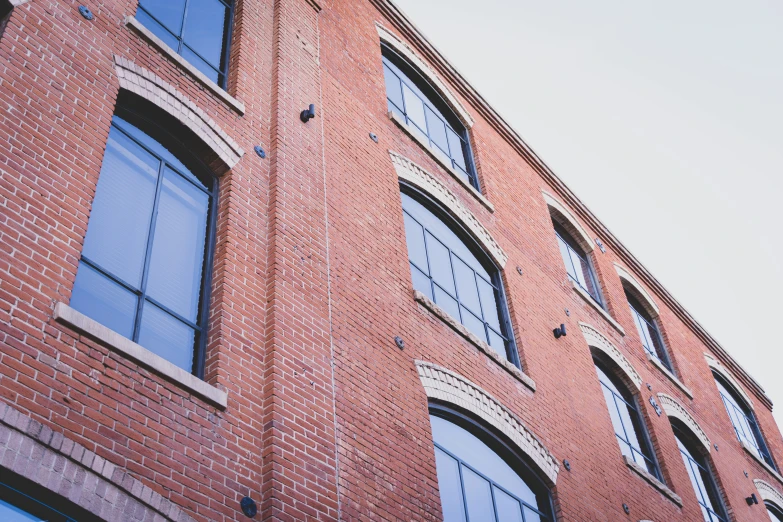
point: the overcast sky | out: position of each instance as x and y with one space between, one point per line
666 119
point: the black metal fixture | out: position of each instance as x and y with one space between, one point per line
519 270
567 465
260 151
626 509
399 342
568 312
752 499
373 136
746 473
600 245
716 447
655 405
649 386
249 507
559 332
308 114
85 12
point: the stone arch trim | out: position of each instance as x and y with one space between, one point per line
151 87
569 221
407 52
411 173
718 367
599 341
447 386
36 452
673 408
644 296
769 493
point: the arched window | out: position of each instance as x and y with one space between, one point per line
481 477
627 422
199 30
775 513
647 326
458 278
699 472
577 262
743 420
419 105
146 260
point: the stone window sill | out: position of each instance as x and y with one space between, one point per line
481 345
758 459
68 316
235 104
587 297
654 482
658 364
426 146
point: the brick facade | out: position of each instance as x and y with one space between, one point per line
307 404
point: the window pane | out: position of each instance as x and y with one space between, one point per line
166 336
466 286
414 108
566 255
177 258
421 282
498 343
474 324
205 27
414 237
455 148
509 509
169 12
488 303
774 515
440 264
9 513
437 130
103 300
120 219
157 29
478 496
450 487
532 516
393 88
208 70
448 303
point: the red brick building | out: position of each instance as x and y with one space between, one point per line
389 308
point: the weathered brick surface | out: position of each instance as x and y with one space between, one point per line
327 419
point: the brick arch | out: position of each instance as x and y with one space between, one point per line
597 341
411 173
721 370
447 386
152 88
564 217
407 52
644 297
769 493
674 409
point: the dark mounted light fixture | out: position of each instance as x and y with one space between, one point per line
559 332
85 12
752 499
308 114
249 507
399 342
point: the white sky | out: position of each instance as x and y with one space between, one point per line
666 119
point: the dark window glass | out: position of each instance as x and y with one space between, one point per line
775 513
5 14
701 477
648 331
474 479
576 263
411 98
199 30
144 257
627 422
445 269
744 422
24 501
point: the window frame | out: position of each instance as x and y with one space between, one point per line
225 55
24 494
498 444
776 510
638 312
168 139
437 104
454 224
562 234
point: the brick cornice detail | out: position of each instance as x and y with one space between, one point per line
597 340
66 468
673 408
447 386
412 173
151 87
769 493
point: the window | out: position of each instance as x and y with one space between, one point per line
775 513
699 472
5 14
648 330
447 271
146 259
628 426
744 421
475 480
21 500
412 98
576 262
199 30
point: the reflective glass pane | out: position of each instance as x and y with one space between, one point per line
414 108
168 12
566 255
414 238
157 29
9 513
478 496
450 487
455 149
509 509
440 264
166 336
466 286
421 282
205 27
462 174
474 324
119 223
488 303
448 303
437 130
203 66
177 260
498 343
393 87
532 516
103 300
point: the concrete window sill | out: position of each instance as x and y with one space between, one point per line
172 55
654 482
758 459
658 364
587 297
68 316
441 314
426 146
